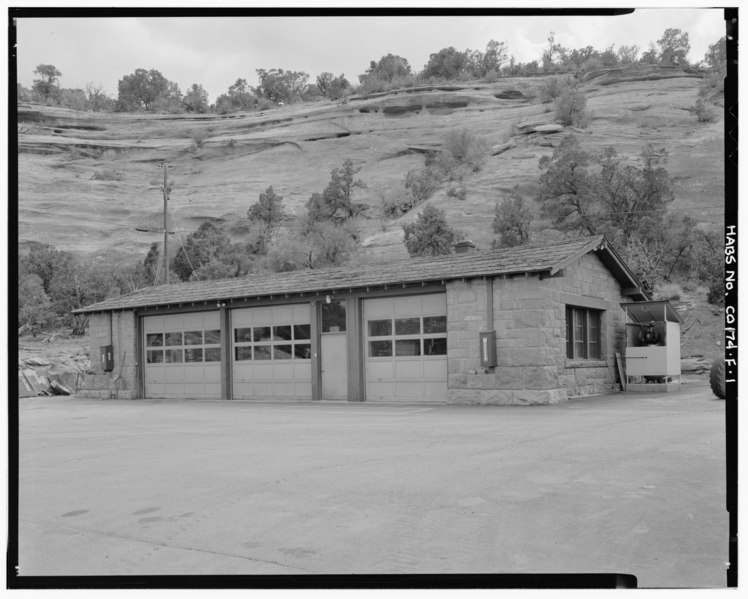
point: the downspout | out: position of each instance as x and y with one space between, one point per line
489 303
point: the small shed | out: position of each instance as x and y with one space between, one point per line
652 346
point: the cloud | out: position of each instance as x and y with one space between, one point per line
214 52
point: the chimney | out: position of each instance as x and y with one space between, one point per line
465 247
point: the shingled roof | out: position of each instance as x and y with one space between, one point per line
523 259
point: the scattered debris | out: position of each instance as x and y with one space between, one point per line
57 375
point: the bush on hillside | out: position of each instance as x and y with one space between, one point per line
703 113
571 109
430 234
552 88
462 152
421 183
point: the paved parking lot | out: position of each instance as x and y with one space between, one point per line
622 483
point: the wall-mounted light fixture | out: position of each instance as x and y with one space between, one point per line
328 299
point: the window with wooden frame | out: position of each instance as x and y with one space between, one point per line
583 326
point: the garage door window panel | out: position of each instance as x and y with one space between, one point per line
154 356
302 351
263 352
407 326
380 328
262 334
408 347
155 340
212 354
174 356
380 349
242 353
282 333
213 337
283 352
193 355
302 331
435 347
173 339
434 325
193 338
243 335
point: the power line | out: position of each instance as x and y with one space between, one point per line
181 242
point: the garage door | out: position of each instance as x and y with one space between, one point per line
271 348
183 355
406 348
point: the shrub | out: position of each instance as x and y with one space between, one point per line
511 223
491 77
462 148
669 291
457 191
421 183
570 108
372 84
430 234
703 113
391 205
716 294
552 88
198 137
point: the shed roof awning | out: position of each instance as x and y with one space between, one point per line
652 311
510 261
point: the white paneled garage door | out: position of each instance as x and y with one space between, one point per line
183 355
406 348
271 349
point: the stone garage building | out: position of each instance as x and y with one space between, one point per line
525 325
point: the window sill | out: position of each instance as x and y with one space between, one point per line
586 363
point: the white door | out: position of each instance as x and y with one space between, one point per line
183 355
406 348
272 352
334 364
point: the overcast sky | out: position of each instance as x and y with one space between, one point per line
215 52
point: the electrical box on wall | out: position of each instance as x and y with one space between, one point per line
488 349
107 357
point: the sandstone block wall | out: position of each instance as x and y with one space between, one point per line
529 318
121 383
590 278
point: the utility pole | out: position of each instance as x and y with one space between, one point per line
165 189
166 228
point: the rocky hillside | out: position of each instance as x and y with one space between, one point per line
89 181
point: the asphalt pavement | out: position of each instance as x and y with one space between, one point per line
625 483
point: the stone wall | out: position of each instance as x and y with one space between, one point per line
590 278
121 383
529 318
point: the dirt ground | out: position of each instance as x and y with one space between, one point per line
625 483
